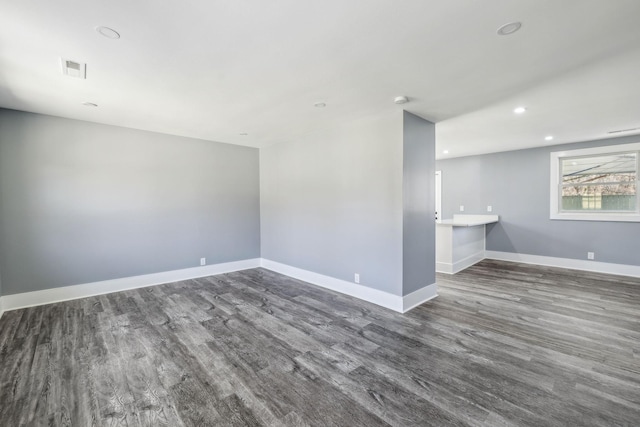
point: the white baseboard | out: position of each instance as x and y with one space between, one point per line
66 293
419 297
48 296
375 296
453 268
574 264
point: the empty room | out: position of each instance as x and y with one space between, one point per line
338 213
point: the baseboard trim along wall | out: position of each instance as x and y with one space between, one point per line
48 296
453 268
66 293
573 264
381 298
419 297
375 296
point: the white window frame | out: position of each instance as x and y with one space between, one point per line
555 181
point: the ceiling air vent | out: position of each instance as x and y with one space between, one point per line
624 130
74 69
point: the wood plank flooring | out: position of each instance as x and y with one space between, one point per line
503 345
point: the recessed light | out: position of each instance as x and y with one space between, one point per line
401 100
519 110
445 152
548 138
509 28
244 134
89 104
319 105
109 33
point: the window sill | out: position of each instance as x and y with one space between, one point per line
611 217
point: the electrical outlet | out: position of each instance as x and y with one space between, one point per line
203 261
591 255
356 278
461 208
489 208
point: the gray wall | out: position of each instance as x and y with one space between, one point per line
516 184
418 242
332 203
82 202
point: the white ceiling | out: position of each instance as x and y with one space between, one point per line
213 69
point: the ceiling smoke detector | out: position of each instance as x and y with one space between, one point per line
510 28
401 100
73 68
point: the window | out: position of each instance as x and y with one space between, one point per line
596 184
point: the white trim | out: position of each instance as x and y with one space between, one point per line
375 296
465 220
382 298
613 217
438 195
554 185
574 264
449 268
48 296
419 297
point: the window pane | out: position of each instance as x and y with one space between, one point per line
599 197
609 168
596 184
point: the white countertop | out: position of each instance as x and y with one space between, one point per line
468 220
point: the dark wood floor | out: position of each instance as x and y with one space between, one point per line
504 344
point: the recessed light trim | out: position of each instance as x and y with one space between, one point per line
107 32
510 28
319 105
445 151
548 138
520 110
89 104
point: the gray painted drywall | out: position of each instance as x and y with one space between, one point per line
419 233
332 202
82 202
516 185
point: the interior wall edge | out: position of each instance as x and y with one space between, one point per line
53 295
569 263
